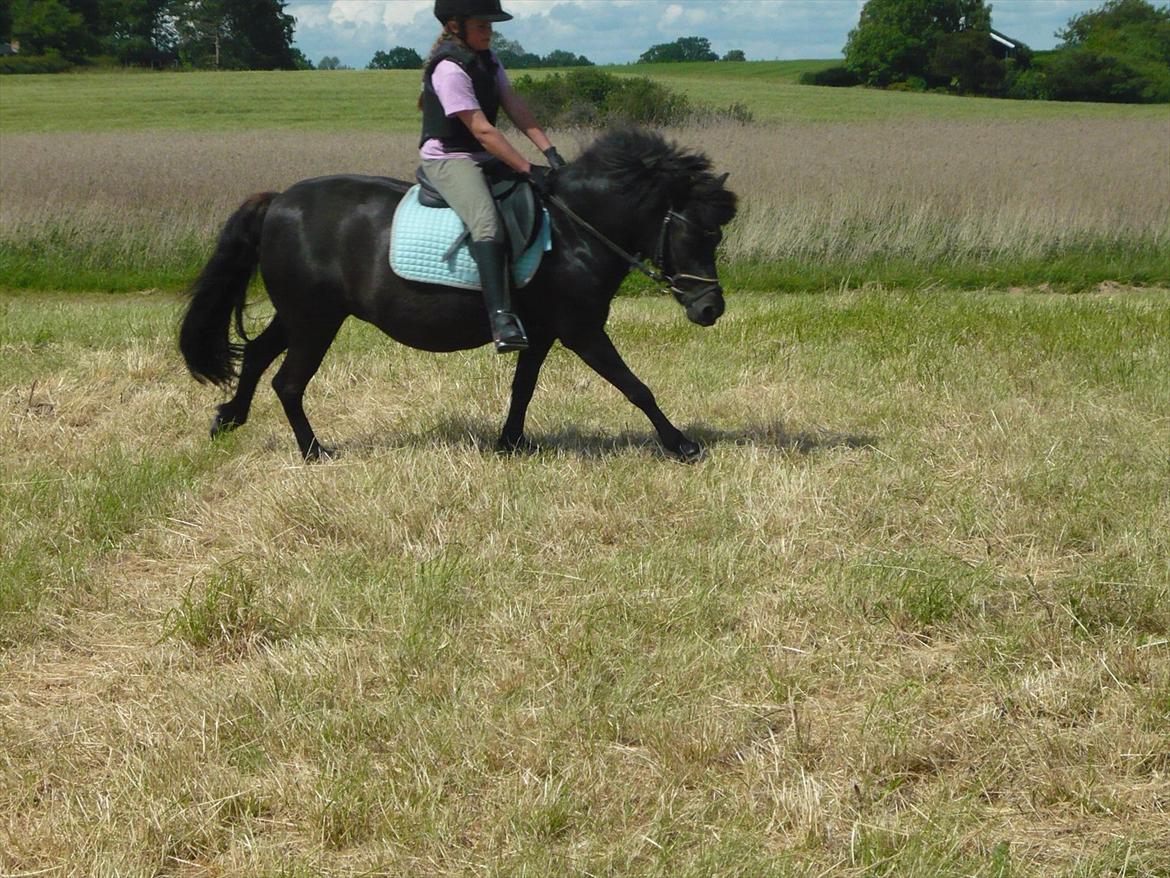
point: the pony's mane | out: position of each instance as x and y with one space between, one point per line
647 167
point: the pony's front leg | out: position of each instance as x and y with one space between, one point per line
528 366
597 350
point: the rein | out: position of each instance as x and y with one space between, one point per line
658 275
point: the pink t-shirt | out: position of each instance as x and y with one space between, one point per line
456 93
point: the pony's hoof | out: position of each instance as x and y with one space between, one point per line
516 446
222 424
321 454
688 451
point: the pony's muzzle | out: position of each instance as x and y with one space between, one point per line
707 308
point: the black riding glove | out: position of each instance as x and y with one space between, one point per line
554 158
542 178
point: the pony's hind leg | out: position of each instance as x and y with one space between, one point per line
305 352
258 356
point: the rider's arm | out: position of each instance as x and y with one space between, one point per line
493 140
522 117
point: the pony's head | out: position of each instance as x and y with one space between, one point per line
675 205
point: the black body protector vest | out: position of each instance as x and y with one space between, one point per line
454 135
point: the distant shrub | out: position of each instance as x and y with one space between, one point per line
736 113
839 76
594 98
1027 85
50 62
912 83
1085 73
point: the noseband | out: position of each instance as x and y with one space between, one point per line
661 274
662 255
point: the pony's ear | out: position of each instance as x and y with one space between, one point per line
723 178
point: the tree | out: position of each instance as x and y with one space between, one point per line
1119 53
139 33
895 39
6 20
512 54
1133 18
329 62
398 58
233 34
47 26
964 60
734 55
682 49
301 60
267 33
561 58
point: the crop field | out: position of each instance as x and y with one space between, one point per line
1067 203
909 616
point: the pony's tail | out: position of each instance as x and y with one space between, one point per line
220 289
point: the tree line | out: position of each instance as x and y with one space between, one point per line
228 34
514 57
1119 52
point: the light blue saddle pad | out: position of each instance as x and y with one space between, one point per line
422 247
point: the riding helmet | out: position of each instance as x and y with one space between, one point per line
486 10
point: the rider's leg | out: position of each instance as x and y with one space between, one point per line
462 184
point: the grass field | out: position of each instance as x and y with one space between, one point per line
384 101
911 616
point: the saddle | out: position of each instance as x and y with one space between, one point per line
429 243
516 201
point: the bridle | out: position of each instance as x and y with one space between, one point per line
661 274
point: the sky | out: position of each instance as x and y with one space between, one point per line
618 31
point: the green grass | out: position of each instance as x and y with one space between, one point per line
908 617
363 100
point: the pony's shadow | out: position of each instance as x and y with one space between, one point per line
469 434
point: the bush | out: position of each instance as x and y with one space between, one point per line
594 99
50 62
1085 74
1120 52
911 83
833 77
1026 85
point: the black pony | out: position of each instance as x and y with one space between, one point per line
322 245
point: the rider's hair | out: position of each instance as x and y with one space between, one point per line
447 36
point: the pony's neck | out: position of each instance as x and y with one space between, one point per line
629 220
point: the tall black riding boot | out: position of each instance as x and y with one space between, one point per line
507 331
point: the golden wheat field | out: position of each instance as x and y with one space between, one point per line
932 193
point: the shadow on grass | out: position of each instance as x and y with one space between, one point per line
466 433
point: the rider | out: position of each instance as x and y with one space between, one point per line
464 86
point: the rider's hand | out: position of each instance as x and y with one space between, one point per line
542 178
554 158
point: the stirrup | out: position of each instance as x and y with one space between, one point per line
508 333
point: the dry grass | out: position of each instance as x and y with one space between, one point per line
908 618
126 206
